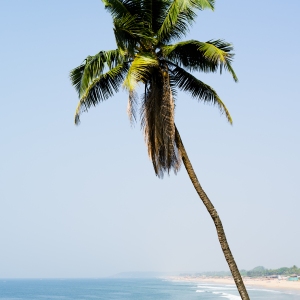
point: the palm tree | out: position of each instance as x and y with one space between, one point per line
145 32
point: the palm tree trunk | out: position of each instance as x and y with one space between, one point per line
214 215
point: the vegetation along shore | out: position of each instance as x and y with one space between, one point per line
275 279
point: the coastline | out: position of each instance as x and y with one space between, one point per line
258 283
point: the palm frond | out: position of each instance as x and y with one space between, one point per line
132 106
218 52
101 88
119 8
179 11
93 67
135 7
116 8
130 32
199 90
76 76
140 69
205 4
179 16
201 56
155 13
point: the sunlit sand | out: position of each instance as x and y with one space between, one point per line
260 282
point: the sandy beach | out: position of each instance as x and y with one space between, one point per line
264 283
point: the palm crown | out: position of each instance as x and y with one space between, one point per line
145 32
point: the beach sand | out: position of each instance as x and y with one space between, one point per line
263 283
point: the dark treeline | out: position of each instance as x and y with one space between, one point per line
261 271
258 272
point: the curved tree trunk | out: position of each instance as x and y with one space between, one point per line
214 215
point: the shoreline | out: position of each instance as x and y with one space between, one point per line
258 282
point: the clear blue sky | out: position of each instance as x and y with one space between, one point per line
84 201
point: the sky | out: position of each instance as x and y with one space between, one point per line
84 201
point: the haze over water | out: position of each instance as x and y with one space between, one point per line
125 289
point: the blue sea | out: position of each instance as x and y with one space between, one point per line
125 289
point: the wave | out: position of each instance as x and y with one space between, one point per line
264 290
218 290
214 287
228 296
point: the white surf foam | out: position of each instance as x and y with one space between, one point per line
228 296
211 287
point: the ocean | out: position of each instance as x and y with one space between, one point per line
126 289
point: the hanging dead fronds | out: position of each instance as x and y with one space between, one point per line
158 122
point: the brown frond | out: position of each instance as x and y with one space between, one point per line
132 106
158 122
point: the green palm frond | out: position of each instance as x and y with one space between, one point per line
201 56
135 7
93 67
179 13
116 8
140 69
130 33
124 30
199 90
120 8
179 16
101 88
155 13
218 52
205 4
76 76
